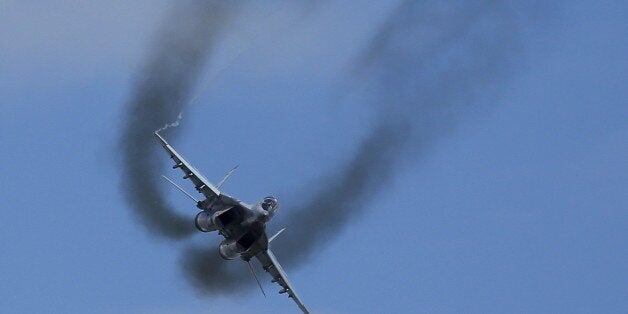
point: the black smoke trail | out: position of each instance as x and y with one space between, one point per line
427 63
178 53
212 275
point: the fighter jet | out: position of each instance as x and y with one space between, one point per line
242 225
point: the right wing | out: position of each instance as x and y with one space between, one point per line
271 266
202 184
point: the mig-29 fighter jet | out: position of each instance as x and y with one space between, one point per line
242 225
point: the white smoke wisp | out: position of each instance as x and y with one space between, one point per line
171 124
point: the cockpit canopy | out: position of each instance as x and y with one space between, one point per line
270 204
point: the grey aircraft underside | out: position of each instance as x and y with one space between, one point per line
242 225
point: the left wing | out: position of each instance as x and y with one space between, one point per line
271 266
202 185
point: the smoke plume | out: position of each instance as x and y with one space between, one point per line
212 275
181 46
427 63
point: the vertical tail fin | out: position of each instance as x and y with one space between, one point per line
226 177
276 234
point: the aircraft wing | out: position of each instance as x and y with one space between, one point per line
271 265
202 184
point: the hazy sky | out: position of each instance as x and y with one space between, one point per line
521 207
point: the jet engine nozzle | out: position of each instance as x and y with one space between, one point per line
229 249
204 223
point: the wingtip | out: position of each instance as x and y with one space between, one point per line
161 139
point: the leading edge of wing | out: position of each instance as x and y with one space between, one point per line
271 265
188 168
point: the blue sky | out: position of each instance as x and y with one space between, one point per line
522 208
